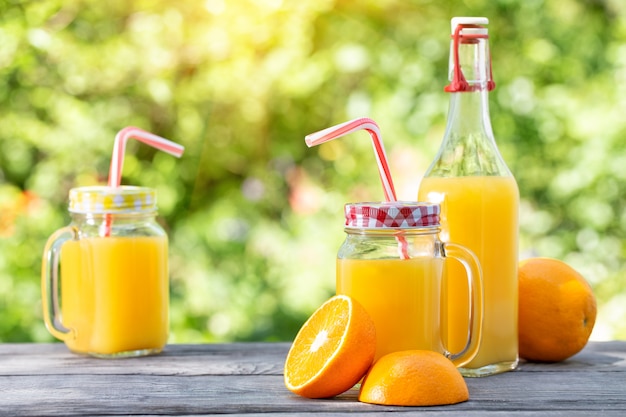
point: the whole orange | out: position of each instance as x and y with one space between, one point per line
557 310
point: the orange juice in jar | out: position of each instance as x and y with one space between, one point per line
391 263
109 268
402 296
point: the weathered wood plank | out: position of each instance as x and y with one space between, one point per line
176 395
229 359
246 379
208 359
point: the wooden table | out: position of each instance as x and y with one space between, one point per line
246 379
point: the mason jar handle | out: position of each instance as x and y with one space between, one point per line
470 262
50 282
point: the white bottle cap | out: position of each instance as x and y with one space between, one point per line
455 21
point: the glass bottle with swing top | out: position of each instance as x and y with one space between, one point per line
479 201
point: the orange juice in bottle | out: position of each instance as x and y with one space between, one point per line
479 203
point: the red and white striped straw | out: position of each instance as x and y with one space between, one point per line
119 149
372 128
367 124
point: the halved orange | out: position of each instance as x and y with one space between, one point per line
332 351
413 378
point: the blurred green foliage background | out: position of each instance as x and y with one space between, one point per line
254 216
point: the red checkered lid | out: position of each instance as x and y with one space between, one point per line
394 214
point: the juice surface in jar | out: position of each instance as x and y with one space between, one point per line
481 213
115 292
401 295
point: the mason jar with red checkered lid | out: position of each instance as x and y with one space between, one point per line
392 263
